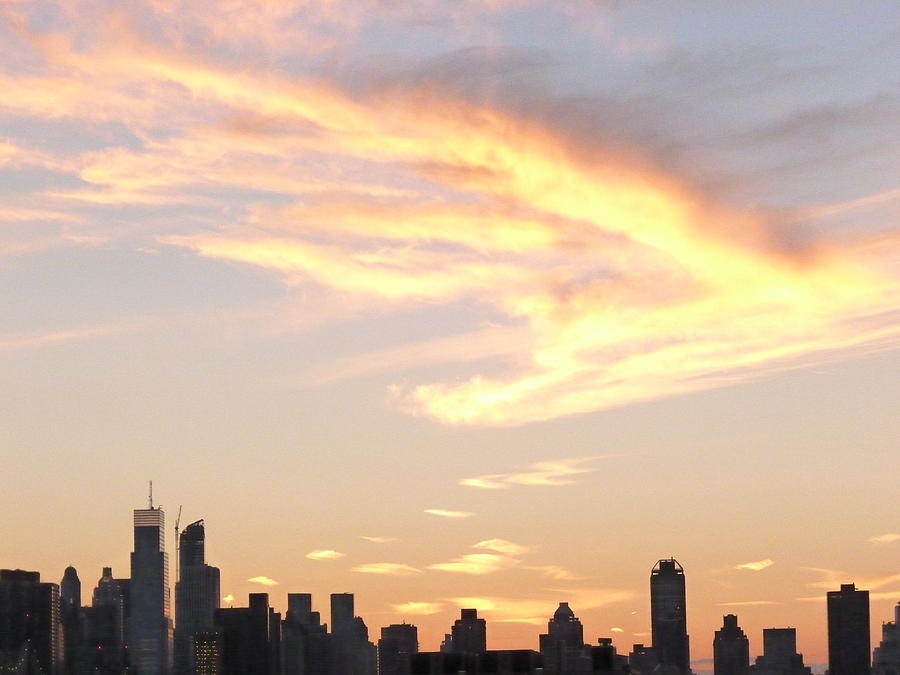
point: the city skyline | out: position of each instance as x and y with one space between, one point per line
849 625
482 303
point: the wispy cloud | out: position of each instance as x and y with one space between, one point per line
537 611
15 343
501 546
444 513
884 538
263 580
747 603
476 563
325 554
388 569
553 472
419 608
379 540
621 282
555 572
830 579
228 599
756 566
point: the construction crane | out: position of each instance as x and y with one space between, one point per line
177 547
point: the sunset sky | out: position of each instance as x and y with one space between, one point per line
482 303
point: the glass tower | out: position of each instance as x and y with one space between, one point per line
196 595
668 615
150 634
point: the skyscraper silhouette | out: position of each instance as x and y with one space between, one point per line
106 634
306 645
469 634
29 622
351 651
668 615
562 647
246 638
731 648
398 642
849 639
780 655
196 595
150 639
886 657
72 620
341 612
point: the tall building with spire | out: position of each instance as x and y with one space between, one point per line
668 615
150 632
196 595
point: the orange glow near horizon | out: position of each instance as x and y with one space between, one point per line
458 304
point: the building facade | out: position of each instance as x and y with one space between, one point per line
849 638
150 633
397 644
731 648
668 615
196 595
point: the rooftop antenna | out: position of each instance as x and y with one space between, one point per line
151 495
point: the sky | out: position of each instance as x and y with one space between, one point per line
485 303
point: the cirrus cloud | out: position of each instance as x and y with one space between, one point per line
444 513
884 538
553 472
325 554
388 569
756 566
419 608
263 580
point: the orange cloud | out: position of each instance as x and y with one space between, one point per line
501 546
419 608
756 566
387 569
444 513
324 554
623 284
263 580
476 563
554 472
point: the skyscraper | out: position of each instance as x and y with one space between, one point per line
780 655
72 621
341 612
150 639
886 658
106 626
196 595
849 640
731 648
29 621
398 641
469 634
305 643
562 646
668 615
351 651
245 637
